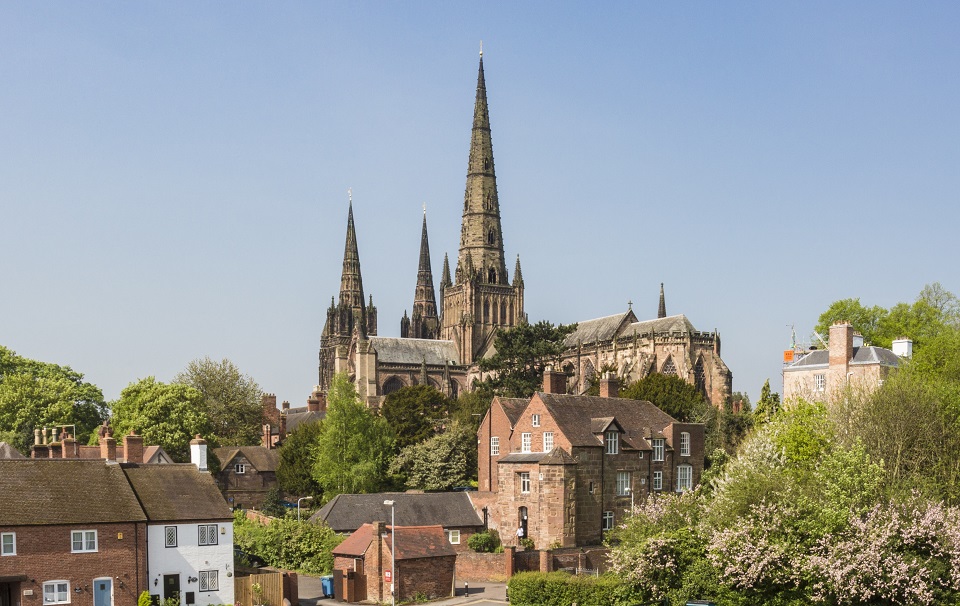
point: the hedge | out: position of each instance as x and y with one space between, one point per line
564 589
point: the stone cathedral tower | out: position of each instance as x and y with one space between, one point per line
482 300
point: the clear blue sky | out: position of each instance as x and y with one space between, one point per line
173 175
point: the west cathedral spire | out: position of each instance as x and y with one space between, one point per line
481 235
354 314
662 310
424 323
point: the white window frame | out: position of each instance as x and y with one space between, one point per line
57 593
623 483
453 535
524 482
684 478
658 480
85 538
820 382
547 441
608 520
240 469
207 530
206 576
535 420
612 441
659 447
526 442
495 446
8 544
684 444
167 534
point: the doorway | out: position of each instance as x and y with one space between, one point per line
522 522
103 592
171 587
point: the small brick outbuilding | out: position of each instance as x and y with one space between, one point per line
425 564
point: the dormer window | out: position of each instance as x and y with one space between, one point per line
535 420
612 440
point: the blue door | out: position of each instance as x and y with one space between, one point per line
103 592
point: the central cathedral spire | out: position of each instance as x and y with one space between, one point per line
481 237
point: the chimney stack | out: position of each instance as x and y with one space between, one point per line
609 386
285 405
317 402
70 448
841 345
108 448
133 448
903 347
198 453
553 381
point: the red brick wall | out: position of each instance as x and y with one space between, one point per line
430 576
482 567
495 423
43 554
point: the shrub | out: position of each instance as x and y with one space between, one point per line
484 542
144 599
563 589
527 543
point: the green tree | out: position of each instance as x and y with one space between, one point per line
671 394
470 408
297 459
354 446
415 413
521 354
768 405
36 394
286 543
232 400
442 462
864 319
168 415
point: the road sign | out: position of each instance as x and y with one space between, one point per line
387 576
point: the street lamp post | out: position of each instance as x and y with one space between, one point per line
393 552
298 505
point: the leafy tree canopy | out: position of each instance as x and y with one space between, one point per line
231 398
442 462
470 408
415 413
36 394
354 445
286 543
768 404
521 355
297 459
168 415
671 394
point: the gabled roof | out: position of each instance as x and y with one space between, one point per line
347 512
7 451
415 351
295 419
866 355
414 542
176 492
261 457
513 408
678 323
575 416
357 543
65 491
599 329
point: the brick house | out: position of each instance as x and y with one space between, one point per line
817 374
452 511
246 474
279 423
189 533
71 532
565 468
425 564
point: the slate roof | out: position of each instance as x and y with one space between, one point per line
348 512
415 351
599 329
65 491
678 323
636 417
866 355
9 452
295 419
176 492
513 408
261 457
523 457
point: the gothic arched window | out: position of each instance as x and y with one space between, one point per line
700 377
669 368
492 276
486 311
503 313
391 385
491 237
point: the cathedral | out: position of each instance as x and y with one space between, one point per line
441 346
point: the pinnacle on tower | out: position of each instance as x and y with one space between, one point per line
517 274
426 324
351 283
445 280
481 234
662 310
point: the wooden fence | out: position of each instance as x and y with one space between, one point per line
271 590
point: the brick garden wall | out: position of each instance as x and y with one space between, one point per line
486 567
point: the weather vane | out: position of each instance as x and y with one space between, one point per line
350 194
481 49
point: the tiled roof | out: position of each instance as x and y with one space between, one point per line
357 543
513 408
65 491
523 457
415 351
9 452
865 355
414 542
574 417
261 457
176 492
347 512
599 329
